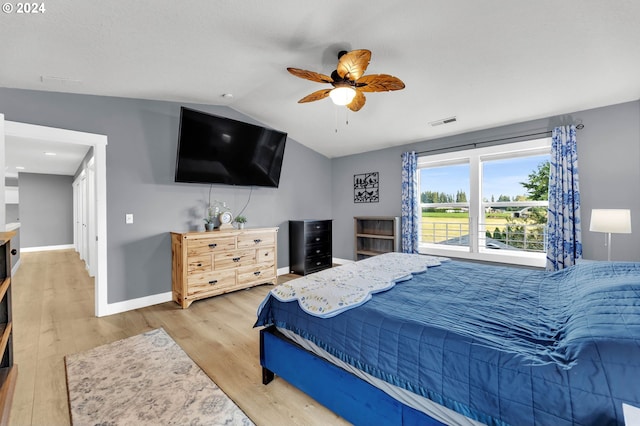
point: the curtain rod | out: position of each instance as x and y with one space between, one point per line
475 144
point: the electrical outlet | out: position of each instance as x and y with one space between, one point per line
128 218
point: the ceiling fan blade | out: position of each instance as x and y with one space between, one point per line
310 75
358 101
353 64
379 83
315 96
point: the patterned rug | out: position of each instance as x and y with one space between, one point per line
145 379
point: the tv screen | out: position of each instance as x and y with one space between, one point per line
214 149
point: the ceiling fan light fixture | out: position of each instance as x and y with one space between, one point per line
342 95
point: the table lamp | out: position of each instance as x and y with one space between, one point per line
610 221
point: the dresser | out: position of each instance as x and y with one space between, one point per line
206 264
309 246
8 370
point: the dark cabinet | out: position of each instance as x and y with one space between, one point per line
309 246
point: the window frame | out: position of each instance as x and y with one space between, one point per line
475 157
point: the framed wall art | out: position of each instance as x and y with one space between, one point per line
366 188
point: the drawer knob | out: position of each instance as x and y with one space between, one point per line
317 251
212 282
317 238
199 264
318 263
212 245
256 273
236 259
257 241
317 226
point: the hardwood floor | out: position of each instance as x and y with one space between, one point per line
53 314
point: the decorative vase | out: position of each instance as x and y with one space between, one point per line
241 225
209 226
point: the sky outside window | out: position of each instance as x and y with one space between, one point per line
500 177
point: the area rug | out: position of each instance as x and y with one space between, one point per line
145 379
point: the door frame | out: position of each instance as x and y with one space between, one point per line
99 144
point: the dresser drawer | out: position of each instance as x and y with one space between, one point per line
258 273
211 281
318 249
312 239
317 227
317 263
198 247
234 259
256 239
199 264
265 255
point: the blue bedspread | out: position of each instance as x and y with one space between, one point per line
501 345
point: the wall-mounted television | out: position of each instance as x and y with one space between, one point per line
213 149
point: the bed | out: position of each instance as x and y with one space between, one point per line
460 343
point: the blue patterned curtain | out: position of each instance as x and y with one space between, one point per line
410 203
564 239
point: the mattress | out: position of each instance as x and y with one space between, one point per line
500 345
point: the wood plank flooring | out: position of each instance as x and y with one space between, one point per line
53 313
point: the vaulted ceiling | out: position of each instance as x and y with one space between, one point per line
487 63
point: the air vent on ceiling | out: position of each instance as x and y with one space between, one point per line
443 121
59 81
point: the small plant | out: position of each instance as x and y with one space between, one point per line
212 212
240 219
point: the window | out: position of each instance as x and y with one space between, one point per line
487 203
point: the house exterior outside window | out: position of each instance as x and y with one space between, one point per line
486 204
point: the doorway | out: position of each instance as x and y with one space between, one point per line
98 245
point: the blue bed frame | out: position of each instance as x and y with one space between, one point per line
345 394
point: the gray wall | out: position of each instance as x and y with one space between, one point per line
142 141
609 167
46 210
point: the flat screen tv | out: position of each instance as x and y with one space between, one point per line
214 149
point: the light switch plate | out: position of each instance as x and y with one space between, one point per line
128 218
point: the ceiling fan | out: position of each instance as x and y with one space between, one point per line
348 81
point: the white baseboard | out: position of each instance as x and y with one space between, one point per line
335 260
284 270
141 302
47 248
15 267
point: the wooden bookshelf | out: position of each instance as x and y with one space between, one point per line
375 235
8 371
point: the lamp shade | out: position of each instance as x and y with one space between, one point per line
615 221
342 95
